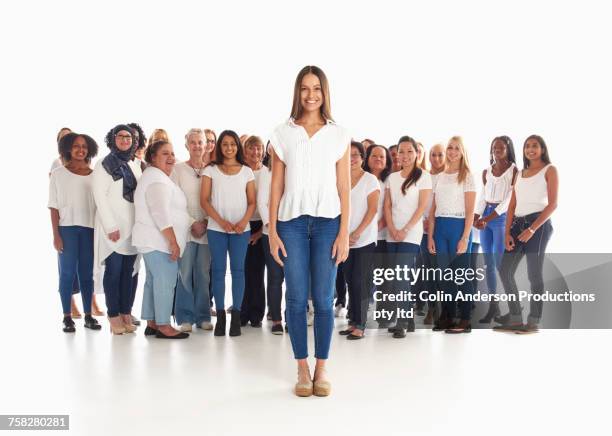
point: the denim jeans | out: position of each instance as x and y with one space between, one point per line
276 276
534 250
192 303
308 242
158 295
117 283
492 242
254 302
447 233
401 253
76 264
220 244
358 276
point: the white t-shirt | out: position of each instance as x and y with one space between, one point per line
367 184
310 173
57 163
263 198
187 179
403 206
382 235
449 194
228 195
71 195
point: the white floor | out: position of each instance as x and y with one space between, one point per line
554 382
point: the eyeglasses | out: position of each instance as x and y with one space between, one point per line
210 141
125 137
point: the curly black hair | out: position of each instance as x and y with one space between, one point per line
67 141
142 139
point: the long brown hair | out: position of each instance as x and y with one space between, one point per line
416 172
296 108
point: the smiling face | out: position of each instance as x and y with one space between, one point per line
253 153
395 160
533 150
79 150
499 150
436 157
164 159
311 93
196 144
453 152
377 160
356 160
229 147
406 154
421 153
123 140
210 142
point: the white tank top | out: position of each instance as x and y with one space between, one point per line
531 193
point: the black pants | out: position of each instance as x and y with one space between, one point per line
340 286
254 302
275 278
357 273
534 250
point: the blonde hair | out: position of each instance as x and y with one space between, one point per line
158 135
423 163
296 108
464 165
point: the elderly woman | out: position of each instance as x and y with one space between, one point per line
114 182
160 233
72 219
192 304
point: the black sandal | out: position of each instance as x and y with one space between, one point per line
346 332
68 324
150 331
91 323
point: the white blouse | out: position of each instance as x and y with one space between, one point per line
57 163
263 197
497 190
257 173
403 206
187 179
228 195
310 172
531 193
367 184
159 204
449 194
113 212
382 234
71 195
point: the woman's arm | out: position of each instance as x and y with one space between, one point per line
470 199
431 245
251 205
58 243
205 193
509 242
372 200
388 214
340 248
277 187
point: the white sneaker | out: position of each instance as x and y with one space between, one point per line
185 327
340 311
206 325
310 318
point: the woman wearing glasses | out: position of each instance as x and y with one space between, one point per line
114 182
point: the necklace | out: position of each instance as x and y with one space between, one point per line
197 171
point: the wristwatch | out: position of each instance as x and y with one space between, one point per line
531 230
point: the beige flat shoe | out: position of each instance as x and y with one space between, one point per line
303 389
115 327
322 388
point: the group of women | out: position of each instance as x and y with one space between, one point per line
309 202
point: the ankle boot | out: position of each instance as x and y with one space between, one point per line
491 313
235 324
220 324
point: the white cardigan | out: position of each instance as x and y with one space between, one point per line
159 204
113 212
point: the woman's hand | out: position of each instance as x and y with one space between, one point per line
353 238
226 226
255 237
58 243
198 229
114 236
240 226
431 245
175 251
525 235
340 249
462 246
276 244
509 243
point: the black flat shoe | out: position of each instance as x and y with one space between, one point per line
68 325
457 330
399 333
352 337
181 335
150 331
91 323
277 329
345 332
256 324
391 329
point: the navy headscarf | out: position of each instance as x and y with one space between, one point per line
116 163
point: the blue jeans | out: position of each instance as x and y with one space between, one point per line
492 242
76 263
220 244
308 241
276 276
192 303
402 253
447 233
162 274
117 283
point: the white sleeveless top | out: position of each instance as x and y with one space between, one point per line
531 193
310 169
496 190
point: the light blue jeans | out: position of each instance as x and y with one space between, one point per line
159 285
192 303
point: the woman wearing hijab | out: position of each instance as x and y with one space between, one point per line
114 183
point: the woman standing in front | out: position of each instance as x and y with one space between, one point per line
72 219
450 231
114 182
528 230
192 304
363 229
228 197
309 218
160 234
